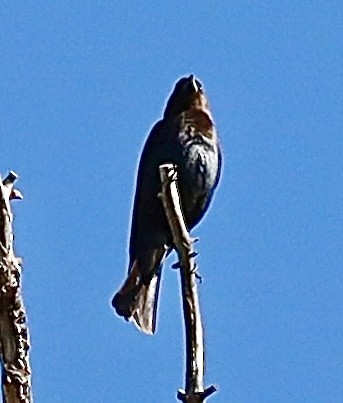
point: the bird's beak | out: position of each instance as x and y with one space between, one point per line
194 83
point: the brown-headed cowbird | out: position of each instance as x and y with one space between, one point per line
186 137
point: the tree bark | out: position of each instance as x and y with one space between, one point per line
195 357
14 337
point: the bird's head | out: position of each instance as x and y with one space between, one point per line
187 94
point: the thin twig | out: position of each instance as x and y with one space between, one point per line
194 389
14 337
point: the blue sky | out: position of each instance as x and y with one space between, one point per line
81 85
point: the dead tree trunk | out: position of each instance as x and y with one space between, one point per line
14 338
194 390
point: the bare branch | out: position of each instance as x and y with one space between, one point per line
194 390
14 337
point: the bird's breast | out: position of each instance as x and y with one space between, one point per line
199 162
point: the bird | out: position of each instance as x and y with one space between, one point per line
186 137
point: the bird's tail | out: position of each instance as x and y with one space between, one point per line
138 297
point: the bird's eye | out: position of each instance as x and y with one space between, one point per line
198 84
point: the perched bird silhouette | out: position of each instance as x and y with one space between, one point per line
186 137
